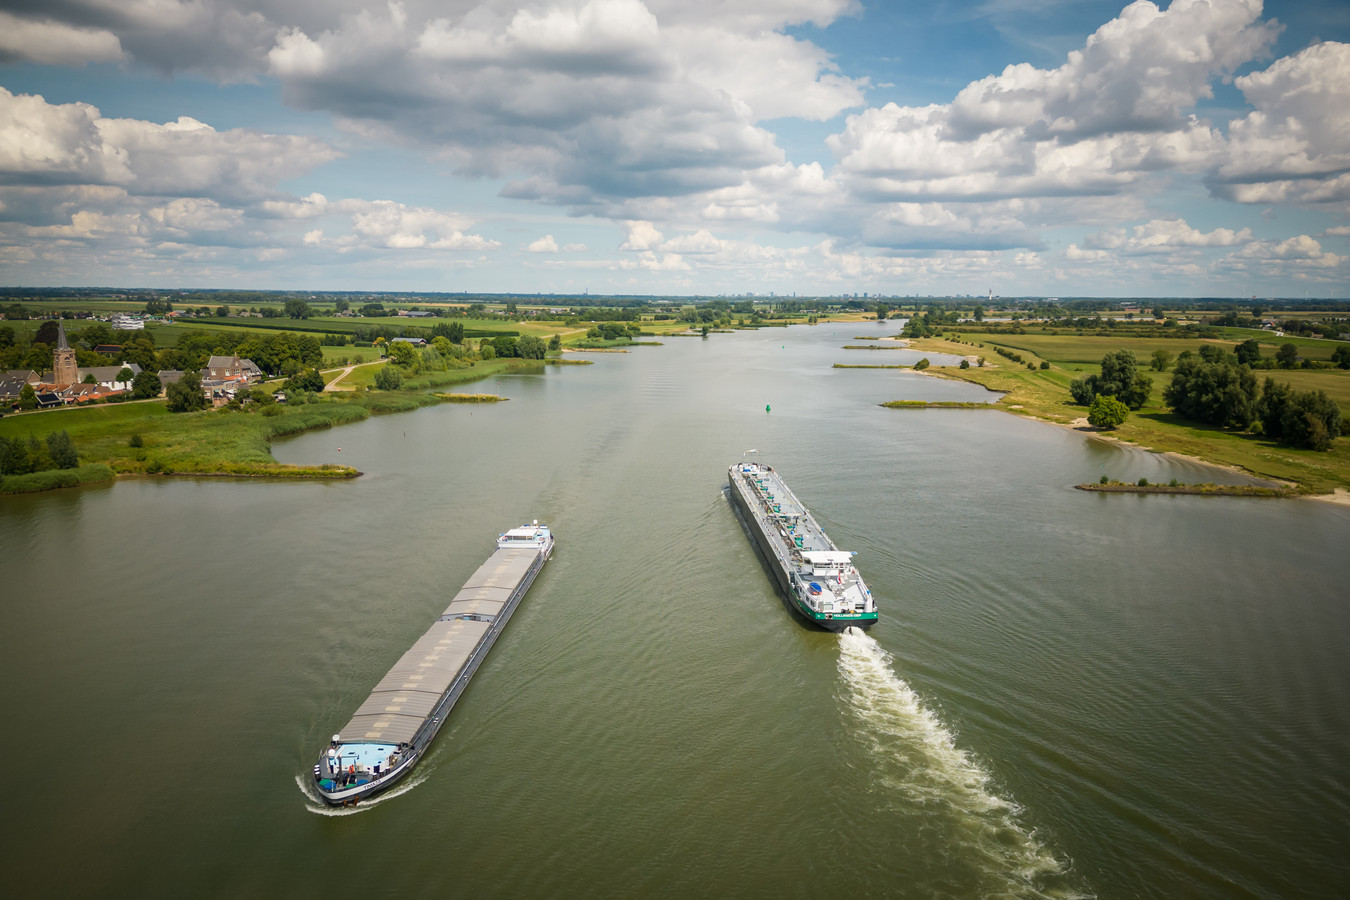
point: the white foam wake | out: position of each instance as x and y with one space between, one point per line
916 757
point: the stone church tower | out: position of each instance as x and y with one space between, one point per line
64 370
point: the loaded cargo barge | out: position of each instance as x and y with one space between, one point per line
390 732
818 578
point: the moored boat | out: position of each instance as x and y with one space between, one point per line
818 578
390 732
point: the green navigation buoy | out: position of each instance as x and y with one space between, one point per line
766 407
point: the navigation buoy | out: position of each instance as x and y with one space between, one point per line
767 408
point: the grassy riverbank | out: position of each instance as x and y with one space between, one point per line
145 438
1044 394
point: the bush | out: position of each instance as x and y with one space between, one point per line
136 441
1143 482
921 364
389 378
965 364
1107 412
1045 364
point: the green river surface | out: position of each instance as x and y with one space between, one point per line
1067 694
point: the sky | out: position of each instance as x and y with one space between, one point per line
1198 148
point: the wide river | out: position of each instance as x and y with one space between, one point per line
1067 694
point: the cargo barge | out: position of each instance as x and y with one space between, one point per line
818 578
390 732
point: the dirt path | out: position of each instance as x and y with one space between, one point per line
347 370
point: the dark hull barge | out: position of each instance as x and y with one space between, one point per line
818 578
391 731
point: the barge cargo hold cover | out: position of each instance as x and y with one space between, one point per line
391 730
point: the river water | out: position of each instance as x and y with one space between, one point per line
1067 694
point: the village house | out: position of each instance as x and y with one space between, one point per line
106 376
231 368
12 382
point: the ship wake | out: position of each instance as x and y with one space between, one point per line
917 764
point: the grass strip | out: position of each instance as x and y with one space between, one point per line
1207 489
847 366
936 404
470 398
89 473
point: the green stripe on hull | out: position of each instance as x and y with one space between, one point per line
827 618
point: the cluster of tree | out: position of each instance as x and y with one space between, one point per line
1120 378
405 360
931 321
702 314
1225 393
524 347
20 457
451 331
613 331
612 314
282 353
1234 319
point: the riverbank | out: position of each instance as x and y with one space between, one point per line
146 439
1043 395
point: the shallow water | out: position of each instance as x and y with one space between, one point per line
1066 693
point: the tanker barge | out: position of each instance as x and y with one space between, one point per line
390 732
818 578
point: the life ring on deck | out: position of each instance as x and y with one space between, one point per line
351 770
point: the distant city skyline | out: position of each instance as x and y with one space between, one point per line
1024 148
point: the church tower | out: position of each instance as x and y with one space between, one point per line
64 370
